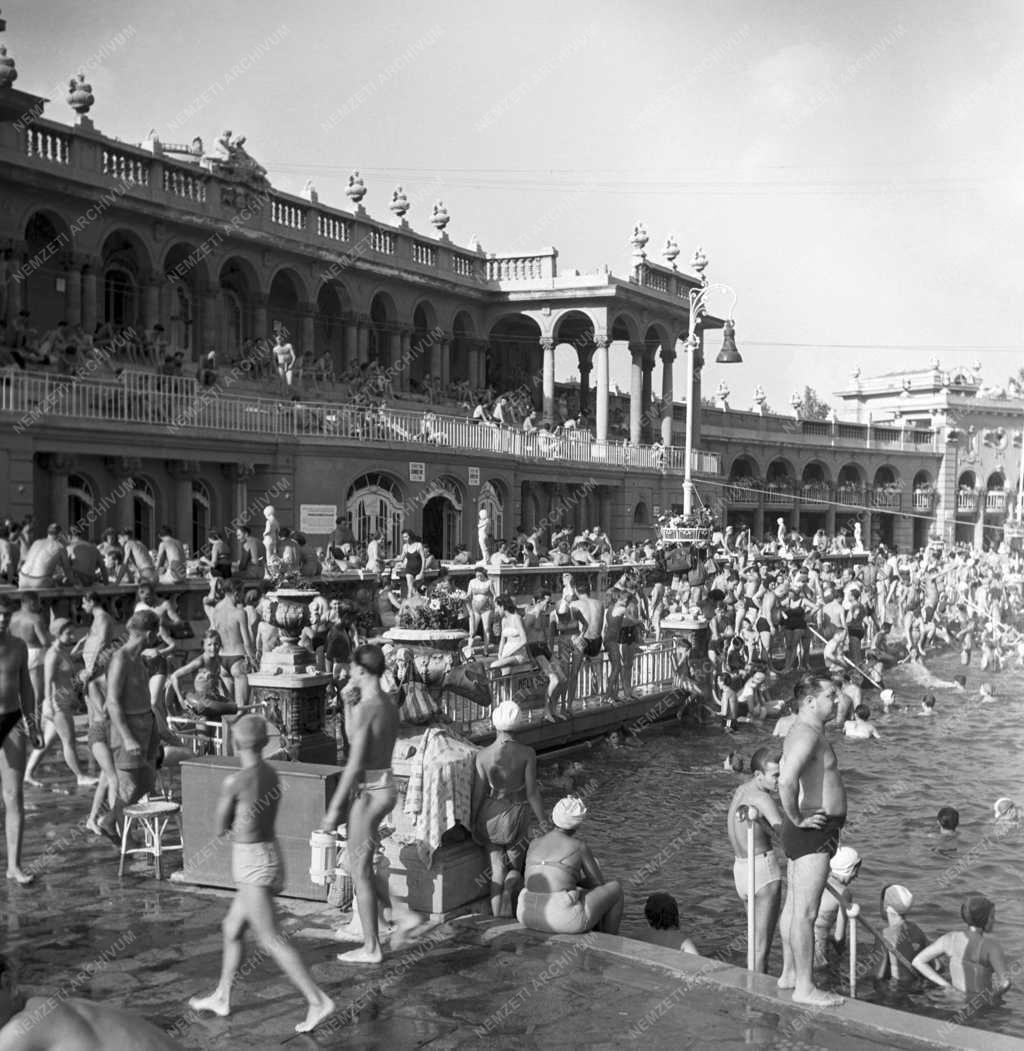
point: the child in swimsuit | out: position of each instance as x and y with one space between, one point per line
902 938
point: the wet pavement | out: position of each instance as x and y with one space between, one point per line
148 946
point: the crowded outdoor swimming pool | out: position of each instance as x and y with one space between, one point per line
657 823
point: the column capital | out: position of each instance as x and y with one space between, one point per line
601 341
668 355
547 342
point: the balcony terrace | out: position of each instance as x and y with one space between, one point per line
175 406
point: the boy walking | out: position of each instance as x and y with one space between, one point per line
248 809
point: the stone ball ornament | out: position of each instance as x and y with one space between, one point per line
80 97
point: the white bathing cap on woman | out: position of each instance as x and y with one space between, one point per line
506 716
569 813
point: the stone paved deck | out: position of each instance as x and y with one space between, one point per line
149 946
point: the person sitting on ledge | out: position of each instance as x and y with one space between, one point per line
565 891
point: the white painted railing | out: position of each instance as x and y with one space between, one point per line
179 403
995 501
333 227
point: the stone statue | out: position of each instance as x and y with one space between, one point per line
722 393
236 159
271 532
858 543
781 531
760 399
483 533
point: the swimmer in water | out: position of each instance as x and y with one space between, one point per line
977 965
949 820
662 914
1006 811
927 705
859 726
902 939
733 762
985 695
830 923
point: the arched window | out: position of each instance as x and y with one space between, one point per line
233 332
200 515
442 517
374 505
640 515
81 500
491 499
144 511
181 319
119 297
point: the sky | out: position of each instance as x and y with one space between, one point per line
852 170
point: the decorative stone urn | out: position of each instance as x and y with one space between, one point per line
356 188
440 217
290 616
8 74
639 240
80 97
399 203
671 252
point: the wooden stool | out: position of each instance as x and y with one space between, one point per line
154 816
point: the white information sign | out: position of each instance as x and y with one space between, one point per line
317 519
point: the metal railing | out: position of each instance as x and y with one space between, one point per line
178 403
995 501
652 671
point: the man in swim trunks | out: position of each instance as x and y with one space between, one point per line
588 644
228 618
65 1023
813 800
758 793
372 731
17 713
134 740
86 561
46 563
170 557
29 625
248 810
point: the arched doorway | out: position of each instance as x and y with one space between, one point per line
442 518
81 501
144 511
374 506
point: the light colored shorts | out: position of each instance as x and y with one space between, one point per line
258 865
766 870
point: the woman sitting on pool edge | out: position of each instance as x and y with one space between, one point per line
565 892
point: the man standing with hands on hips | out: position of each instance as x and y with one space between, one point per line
813 801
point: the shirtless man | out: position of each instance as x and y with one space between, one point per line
86 561
17 712
813 802
228 619
134 740
29 625
758 793
137 558
588 644
95 648
170 558
46 563
537 622
372 730
284 355
45 1023
251 559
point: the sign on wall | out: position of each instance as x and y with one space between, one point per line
474 475
317 519
417 471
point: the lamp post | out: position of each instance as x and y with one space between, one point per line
728 355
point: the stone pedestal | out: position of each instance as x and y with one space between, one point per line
296 705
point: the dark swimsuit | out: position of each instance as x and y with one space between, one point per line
628 636
413 563
538 649
8 721
799 842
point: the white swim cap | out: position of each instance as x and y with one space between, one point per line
1003 805
887 696
506 716
845 862
569 813
897 898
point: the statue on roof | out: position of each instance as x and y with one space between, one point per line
235 161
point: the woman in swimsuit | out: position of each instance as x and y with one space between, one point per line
58 706
975 957
156 659
480 606
512 647
413 560
505 791
565 891
538 625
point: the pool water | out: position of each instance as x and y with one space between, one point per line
657 823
